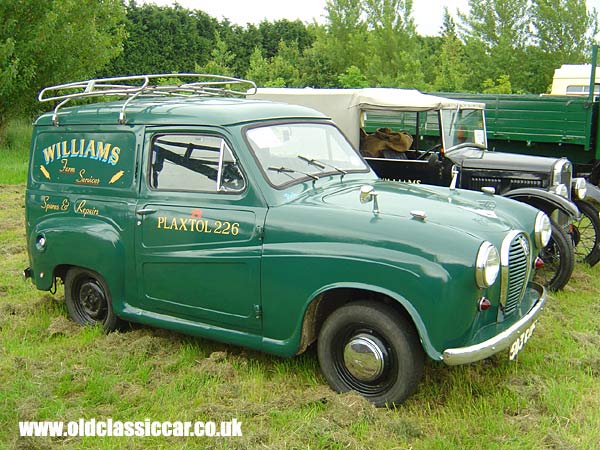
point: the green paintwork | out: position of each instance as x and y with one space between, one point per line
170 267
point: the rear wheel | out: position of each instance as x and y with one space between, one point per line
88 299
587 247
370 348
559 260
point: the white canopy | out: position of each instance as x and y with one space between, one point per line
344 106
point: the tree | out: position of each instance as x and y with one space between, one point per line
44 42
563 33
317 66
242 41
259 68
452 71
564 28
497 33
393 52
376 36
353 78
286 64
164 40
343 40
221 59
272 33
501 86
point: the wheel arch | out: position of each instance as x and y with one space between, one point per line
544 200
330 298
94 246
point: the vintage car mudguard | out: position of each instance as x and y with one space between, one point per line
544 200
592 192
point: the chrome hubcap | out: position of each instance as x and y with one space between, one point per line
364 357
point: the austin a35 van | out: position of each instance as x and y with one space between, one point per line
258 224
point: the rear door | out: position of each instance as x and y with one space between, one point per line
198 233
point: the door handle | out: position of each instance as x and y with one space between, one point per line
145 211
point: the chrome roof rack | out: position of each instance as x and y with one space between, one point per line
139 85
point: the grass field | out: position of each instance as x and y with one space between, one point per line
51 369
14 151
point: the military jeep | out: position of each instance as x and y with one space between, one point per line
258 224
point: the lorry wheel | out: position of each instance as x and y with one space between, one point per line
559 260
588 231
370 348
88 299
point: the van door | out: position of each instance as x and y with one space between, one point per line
198 233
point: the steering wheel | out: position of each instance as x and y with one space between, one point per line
428 152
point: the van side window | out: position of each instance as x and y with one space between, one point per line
194 162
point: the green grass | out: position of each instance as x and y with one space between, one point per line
14 151
51 369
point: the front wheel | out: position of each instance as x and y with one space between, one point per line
559 260
88 299
370 348
588 232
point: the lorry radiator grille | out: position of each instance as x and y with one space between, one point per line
566 179
516 273
508 183
478 182
518 182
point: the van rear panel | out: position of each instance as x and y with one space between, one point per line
80 158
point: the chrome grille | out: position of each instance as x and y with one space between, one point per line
510 183
566 177
515 258
478 182
563 174
523 182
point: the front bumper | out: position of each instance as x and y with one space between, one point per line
501 341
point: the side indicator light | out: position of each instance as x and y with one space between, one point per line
539 263
484 304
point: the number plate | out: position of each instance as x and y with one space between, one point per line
519 343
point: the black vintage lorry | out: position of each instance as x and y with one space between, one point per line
563 124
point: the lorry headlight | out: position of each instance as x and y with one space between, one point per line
487 265
579 187
542 230
561 190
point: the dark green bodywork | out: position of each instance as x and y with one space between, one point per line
292 248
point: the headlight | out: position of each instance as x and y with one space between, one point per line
579 188
561 190
487 265
542 230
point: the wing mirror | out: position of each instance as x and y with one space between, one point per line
367 195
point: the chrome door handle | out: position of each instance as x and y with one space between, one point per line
145 211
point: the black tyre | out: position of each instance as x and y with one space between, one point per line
88 299
588 231
370 348
559 260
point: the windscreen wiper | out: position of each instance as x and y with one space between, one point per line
283 169
321 165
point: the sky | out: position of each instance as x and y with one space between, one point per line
428 14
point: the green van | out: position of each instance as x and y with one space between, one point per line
193 208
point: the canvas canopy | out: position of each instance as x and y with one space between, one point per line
345 106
